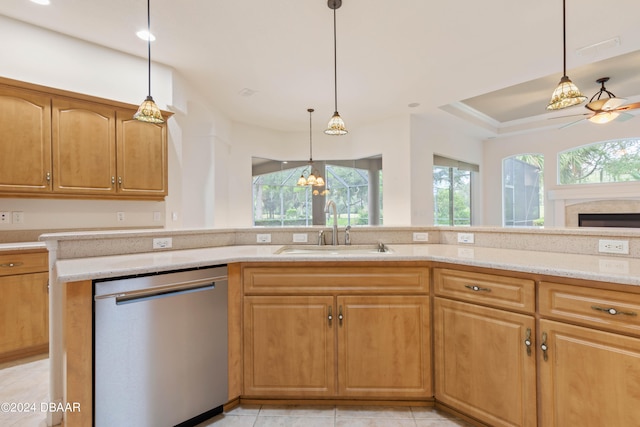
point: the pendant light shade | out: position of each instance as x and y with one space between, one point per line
314 179
566 93
148 110
336 124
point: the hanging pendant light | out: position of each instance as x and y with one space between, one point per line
566 94
314 179
148 110
336 124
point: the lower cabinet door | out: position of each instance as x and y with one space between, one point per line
483 365
24 315
384 346
588 378
289 346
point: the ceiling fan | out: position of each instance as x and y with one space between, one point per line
605 110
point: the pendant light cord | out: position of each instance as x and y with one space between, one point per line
310 110
564 39
149 44
335 64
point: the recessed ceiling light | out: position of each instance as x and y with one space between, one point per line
247 92
144 35
42 2
414 105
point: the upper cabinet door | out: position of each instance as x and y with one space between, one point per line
83 147
142 156
25 142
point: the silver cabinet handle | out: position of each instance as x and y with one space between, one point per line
340 316
476 288
330 316
11 264
612 311
48 176
113 179
527 341
120 181
544 346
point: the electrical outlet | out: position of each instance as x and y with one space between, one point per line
465 238
162 243
18 217
120 216
5 218
300 238
420 237
263 238
613 246
615 266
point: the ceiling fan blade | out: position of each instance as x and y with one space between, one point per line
571 124
571 115
632 106
623 117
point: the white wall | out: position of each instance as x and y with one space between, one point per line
199 136
50 59
446 136
549 143
391 138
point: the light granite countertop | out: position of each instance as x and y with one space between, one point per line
588 267
5 247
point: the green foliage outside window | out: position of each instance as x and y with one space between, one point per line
611 161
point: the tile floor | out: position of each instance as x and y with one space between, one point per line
28 382
330 416
25 382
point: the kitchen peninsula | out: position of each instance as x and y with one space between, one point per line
542 308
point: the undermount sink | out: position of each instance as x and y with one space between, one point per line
333 250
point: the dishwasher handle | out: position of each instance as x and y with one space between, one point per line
164 291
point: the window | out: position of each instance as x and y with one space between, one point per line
522 190
354 185
610 161
452 191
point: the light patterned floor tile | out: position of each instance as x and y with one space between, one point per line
375 422
373 412
298 410
300 421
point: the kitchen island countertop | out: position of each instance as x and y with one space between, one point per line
587 267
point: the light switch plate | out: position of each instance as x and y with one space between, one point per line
420 237
5 217
300 238
162 243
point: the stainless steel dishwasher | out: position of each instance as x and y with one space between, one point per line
160 348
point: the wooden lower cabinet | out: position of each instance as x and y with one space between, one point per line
588 378
289 346
24 315
383 344
344 346
483 367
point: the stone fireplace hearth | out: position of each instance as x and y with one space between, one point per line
600 207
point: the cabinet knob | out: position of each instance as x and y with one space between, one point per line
11 264
340 316
330 316
527 341
612 311
476 288
544 346
48 177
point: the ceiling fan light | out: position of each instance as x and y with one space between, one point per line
149 112
565 95
336 125
604 117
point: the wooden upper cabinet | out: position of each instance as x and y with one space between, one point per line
141 156
25 141
84 147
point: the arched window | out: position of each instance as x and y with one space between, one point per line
522 190
609 161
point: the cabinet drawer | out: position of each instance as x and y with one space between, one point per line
20 263
318 279
488 289
601 308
